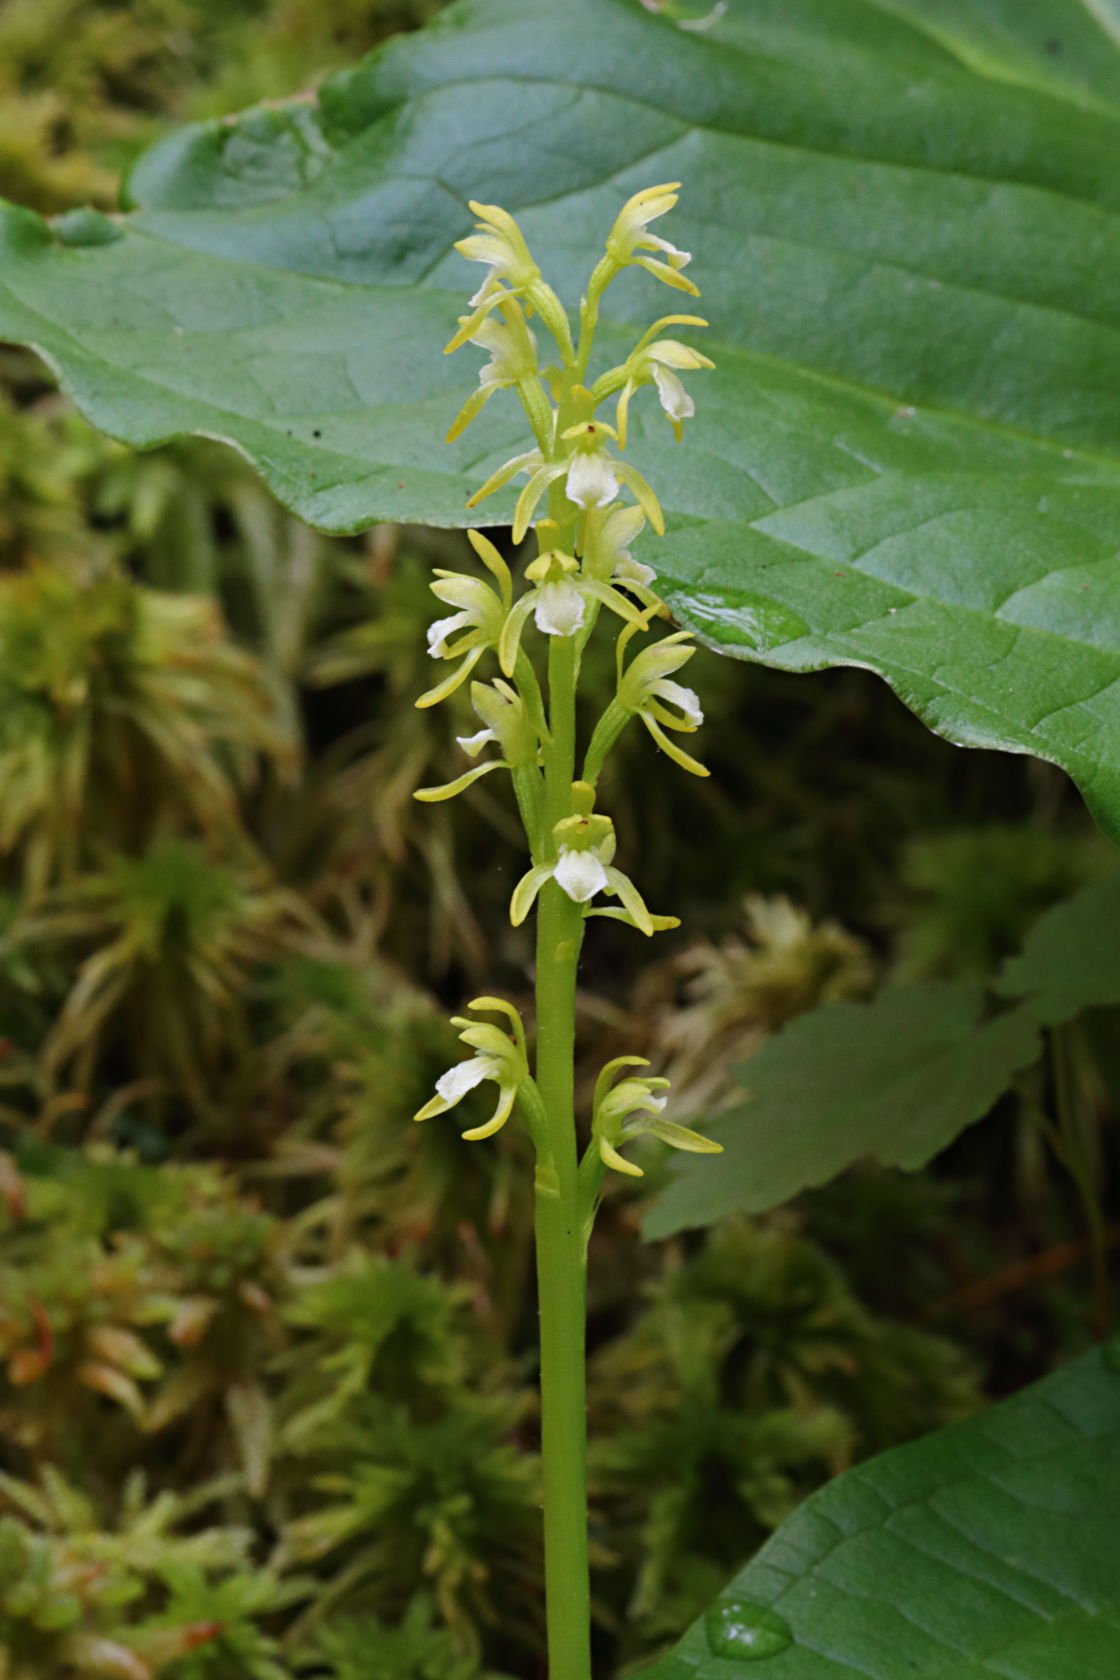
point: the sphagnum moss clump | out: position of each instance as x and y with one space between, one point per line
574 470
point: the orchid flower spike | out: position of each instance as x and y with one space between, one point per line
629 237
481 616
499 1054
632 1108
585 845
646 690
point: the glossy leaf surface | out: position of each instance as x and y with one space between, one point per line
984 1552
894 1080
906 225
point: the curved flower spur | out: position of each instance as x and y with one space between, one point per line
574 499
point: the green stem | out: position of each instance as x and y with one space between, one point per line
561 1276
562 1300
602 275
607 731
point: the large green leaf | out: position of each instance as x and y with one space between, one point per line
985 1552
1071 958
894 1080
906 223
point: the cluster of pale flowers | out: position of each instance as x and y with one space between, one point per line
565 593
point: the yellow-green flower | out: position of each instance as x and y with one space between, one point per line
662 363
582 867
499 243
592 477
646 690
606 551
513 358
558 603
505 720
498 1055
511 273
629 239
633 1108
476 625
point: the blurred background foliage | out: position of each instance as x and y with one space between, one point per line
266 1349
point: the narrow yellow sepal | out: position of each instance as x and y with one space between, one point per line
667 745
508 469
493 562
435 1105
632 899
499 1006
611 1158
496 1121
510 639
646 499
449 684
525 892
671 276
433 795
660 924
681 1137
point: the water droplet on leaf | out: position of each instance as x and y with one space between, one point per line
736 617
743 1631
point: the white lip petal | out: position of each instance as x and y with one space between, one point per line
627 568
675 400
685 698
463 1077
581 874
442 629
591 480
472 745
559 608
674 257
649 1104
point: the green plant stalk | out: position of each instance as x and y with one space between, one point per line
577 570
561 1271
561 1288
